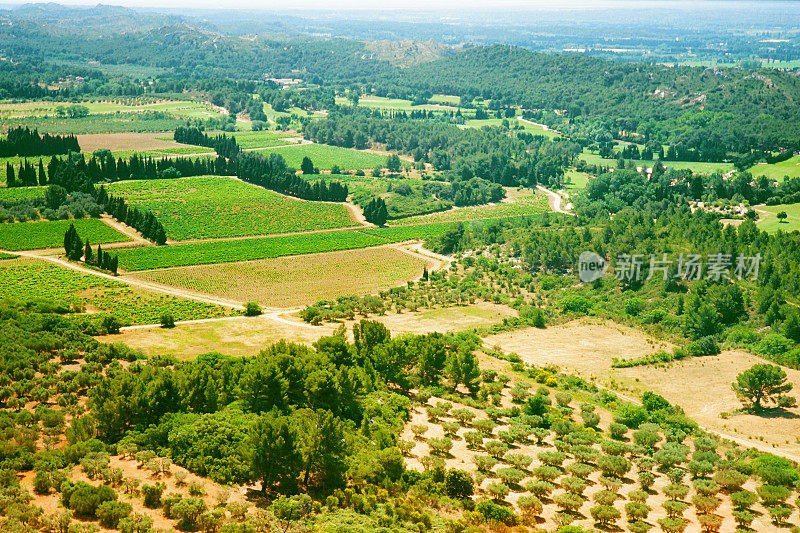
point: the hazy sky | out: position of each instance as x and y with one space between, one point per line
377 5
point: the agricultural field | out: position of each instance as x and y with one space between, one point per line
124 123
516 204
186 109
129 142
701 385
602 477
27 279
296 281
381 102
413 232
15 194
50 233
777 171
698 167
223 251
768 220
106 116
249 140
216 207
326 156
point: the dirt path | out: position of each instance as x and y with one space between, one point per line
554 200
276 315
164 289
532 123
125 230
358 215
443 260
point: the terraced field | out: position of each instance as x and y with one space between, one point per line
296 281
216 207
32 279
50 234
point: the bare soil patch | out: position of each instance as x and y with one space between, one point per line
125 141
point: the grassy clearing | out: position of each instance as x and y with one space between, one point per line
445 99
380 102
528 203
288 282
205 253
699 167
768 220
215 207
31 279
777 171
576 181
50 234
325 156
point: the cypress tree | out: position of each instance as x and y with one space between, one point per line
42 175
112 264
11 180
73 245
87 252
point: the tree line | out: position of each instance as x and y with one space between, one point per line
713 114
76 249
22 141
222 144
272 173
498 155
144 222
102 166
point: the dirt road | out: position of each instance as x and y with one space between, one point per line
164 289
554 200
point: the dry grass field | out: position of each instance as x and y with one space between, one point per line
298 280
702 386
247 336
